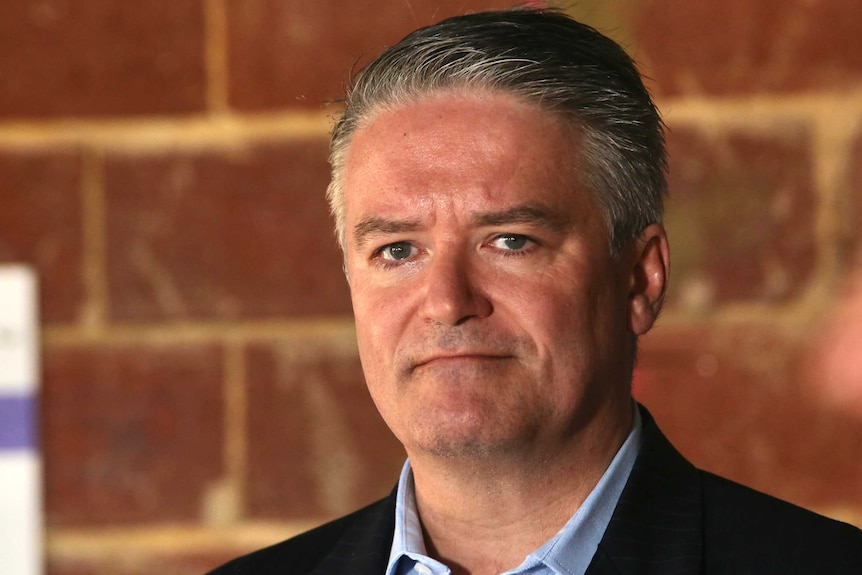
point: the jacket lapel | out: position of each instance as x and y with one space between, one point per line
363 549
657 527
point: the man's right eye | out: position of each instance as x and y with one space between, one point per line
397 251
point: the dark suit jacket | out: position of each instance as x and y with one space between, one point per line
672 519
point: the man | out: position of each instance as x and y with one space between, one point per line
497 184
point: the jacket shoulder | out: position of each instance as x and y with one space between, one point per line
304 552
745 527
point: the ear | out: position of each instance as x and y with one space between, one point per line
649 272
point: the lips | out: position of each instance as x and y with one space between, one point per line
453 357
465 345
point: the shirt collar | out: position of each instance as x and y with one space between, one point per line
569 552
408 539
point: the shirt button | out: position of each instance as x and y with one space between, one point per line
423 569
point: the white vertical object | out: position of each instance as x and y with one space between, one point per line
21 527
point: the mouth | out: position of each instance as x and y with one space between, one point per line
460 357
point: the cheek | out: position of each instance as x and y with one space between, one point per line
572 327
379 321
373 368
375 319
550 314
372 353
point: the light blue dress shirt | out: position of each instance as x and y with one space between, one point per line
569 552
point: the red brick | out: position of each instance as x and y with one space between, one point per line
101 58
272 43
738 401
210 235
40 225
741 216
740 46
317 447
132 434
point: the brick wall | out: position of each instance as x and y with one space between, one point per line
162 165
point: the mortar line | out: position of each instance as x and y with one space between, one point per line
159 133
216 55
231 130
169 539
756 112
832 152
236 422
338 330
93 242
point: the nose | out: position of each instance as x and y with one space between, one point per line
453 293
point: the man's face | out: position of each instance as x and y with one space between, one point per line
490 316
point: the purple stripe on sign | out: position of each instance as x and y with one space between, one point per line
17 422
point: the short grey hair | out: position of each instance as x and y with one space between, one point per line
544 57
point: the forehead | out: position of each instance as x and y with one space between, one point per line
459 117
469 150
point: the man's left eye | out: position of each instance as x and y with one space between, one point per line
397 251
512 242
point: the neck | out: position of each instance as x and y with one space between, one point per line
487 514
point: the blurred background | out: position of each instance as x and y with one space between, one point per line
163 166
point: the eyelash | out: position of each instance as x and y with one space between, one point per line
529 247
388 264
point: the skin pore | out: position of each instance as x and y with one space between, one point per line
495 329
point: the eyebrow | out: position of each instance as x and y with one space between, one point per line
375 225
537 214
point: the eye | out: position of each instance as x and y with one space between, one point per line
396 251
511 242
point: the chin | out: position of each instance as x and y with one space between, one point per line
473 450
470 441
